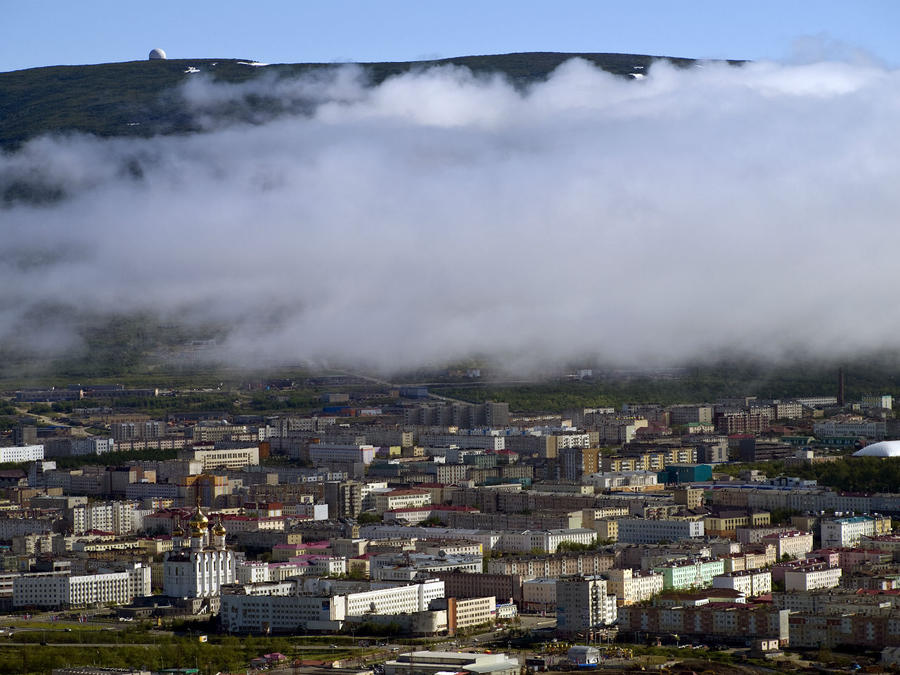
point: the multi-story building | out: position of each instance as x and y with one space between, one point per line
847 532
793 544
885 402
115 517
292 605
230 458
691 573
456 414
685 414
630 586
852 429
464 585
539 595
401 499
344 499
583 605
65 592
651 531
463 613
727 621
252 572
725 524
544 540
865 630
587 563
22 453
577 462
812 576
327 453
128 431
749 582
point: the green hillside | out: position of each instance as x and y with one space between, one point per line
139 98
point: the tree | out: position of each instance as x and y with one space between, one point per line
368 518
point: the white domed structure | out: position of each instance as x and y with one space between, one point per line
157 54
880 449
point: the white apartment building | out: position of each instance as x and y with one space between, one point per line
582 604
630 587
564 441
230 458
115 517
252 572
749 582
812 577
793 544
652 531
544 540
395 600
401 499
847 532
849 429
285 606
64 592
22 453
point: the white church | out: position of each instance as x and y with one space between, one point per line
198 565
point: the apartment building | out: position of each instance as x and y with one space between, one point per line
631 586
651 531
67 592
692 573
283 606
587 563
544 540
22 453
464 585
812 576
583 605
793 543
576 462
725 524
749 582
849 429
230 458
115 517
539 595
725 621
463 613
401 499
847 532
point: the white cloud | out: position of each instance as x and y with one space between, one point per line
442 214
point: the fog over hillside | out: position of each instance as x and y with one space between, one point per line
440 214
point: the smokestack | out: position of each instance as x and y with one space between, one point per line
840 395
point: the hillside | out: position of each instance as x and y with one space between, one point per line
139 98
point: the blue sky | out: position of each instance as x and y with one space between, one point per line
53 32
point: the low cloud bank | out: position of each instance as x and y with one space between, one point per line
440 215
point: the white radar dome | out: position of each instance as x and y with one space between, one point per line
880 449
157 54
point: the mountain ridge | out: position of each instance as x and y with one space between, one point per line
139 98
